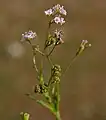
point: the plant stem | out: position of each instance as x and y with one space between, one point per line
58 115
58 102
52 50
40 52
73 59
70 64
49 60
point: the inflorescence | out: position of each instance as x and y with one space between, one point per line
27 36
49 89
57 12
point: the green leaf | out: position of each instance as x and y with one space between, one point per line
41 102
31 96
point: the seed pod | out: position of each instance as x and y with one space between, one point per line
40 89
50 41
56 74
43 88
37 88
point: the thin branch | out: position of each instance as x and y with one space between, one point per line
51 50
70 64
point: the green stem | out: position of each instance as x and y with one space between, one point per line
48 58
58 96
70 64
49 82
51 50
58 102
49 26
34 62
24 116
48 106
73 59
58 115
40 52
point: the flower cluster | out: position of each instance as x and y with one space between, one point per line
58 34
60 9
54 38
40 88
84 44
28 36
56 12
56 9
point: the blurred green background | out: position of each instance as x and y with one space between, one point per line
83 88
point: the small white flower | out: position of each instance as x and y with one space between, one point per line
85 44
56 7
57 20
59 9
49 12
62 10
62 21
28 35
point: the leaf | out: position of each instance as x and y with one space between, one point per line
46 105
30 96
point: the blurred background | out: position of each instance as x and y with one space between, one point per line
83 88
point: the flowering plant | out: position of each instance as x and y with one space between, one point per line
50 90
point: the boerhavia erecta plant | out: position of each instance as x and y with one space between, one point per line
50 90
